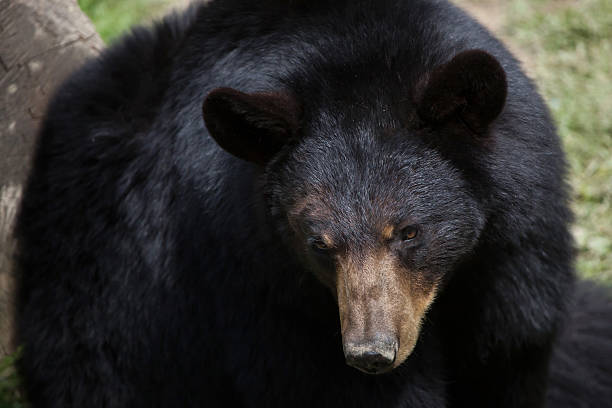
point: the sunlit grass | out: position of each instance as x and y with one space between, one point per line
570 43
113 17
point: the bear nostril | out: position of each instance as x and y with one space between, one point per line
371 359
375 362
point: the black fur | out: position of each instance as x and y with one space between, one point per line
581 368
159 270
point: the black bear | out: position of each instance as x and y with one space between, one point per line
265 203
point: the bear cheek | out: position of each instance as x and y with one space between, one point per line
409 323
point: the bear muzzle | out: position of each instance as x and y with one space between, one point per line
381 305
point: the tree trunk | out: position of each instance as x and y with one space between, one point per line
41 42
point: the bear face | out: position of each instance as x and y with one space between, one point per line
380 215
375 232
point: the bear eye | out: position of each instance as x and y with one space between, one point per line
409 233
318 244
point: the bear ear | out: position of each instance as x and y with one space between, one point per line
471 88
253 127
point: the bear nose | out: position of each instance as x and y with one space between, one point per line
373 357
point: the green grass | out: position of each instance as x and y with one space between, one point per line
10 396
113 17
570 44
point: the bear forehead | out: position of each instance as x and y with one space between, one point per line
360 185
380 167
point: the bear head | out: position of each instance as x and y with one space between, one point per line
376 208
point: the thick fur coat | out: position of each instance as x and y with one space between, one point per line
169 253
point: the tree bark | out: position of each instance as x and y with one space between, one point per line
41 42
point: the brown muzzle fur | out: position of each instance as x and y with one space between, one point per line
381 307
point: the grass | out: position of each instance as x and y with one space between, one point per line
10 396
570 44
113 17
569 47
